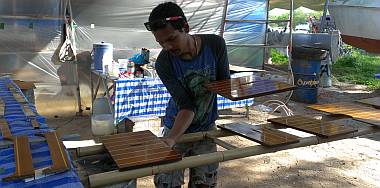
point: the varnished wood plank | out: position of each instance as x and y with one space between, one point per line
128 135
122 150
375 102
262 134
35 124
359 112
135 145
161 158
10 86
27 110
247 87
23 159
5 131
138 149
24 84
2 108
313 126
127 152
145 155
58 154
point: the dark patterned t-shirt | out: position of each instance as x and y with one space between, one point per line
185 80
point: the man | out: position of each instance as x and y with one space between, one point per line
186 63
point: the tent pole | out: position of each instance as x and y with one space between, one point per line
322 26
266 53
222 26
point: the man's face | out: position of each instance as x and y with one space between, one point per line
171 40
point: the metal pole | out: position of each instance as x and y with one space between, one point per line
265 50
113 177
321 27
92 91
222 26
105 85
96 91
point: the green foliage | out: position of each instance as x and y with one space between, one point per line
278 58
358 68
298 18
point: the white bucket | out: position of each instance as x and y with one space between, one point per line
100 106
102 124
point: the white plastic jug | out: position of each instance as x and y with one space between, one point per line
102 124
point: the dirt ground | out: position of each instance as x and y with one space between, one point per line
353 162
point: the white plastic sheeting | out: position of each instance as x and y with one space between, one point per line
120 22
31 31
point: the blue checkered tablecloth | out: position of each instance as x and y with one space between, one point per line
143 97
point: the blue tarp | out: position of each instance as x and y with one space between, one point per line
20 124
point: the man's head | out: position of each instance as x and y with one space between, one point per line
169 26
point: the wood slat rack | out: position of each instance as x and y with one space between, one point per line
2 108
5 131
138 149
23 159
27 110
231 153
247 87
312 126
358 112
35 124
375 102
57 153
262 134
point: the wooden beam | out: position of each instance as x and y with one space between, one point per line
35 124
57 153
5 131
23 159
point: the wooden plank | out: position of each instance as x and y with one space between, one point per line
313 126
262 134
247 87
375 102
24 84
5 131
129 135
23 159
2 108
138 149
20 99
356 111
57 153
10 86
35 124
27 110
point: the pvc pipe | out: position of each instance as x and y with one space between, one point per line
113 177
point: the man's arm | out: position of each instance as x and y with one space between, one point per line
182 122
183 101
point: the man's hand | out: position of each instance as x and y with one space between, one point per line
169 141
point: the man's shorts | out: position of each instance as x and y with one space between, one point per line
206 175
